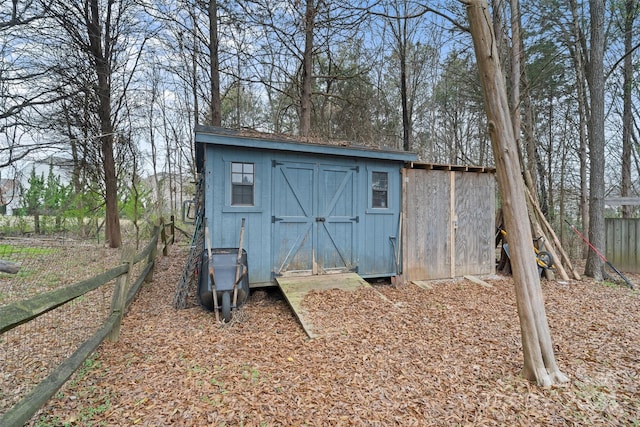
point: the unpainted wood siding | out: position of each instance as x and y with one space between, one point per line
449 224
623 243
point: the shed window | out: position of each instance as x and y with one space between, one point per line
242 182
379 189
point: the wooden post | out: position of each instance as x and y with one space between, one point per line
152 255
173 229
119 299
453 223
163 235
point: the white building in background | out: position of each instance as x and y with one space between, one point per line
11 187
9 195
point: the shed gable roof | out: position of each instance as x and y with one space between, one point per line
233 138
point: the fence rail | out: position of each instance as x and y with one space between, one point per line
21 312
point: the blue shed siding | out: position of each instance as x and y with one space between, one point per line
312 212
225 220
380 224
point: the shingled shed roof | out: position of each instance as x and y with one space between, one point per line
254 139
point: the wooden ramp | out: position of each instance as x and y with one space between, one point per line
295 288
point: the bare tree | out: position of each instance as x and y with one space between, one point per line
403 18
101 35
25 86
293 33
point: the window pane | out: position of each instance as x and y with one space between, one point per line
236 178
242 195
379 189
380 181
379 199
236 167
247 168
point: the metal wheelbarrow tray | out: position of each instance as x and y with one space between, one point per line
227 265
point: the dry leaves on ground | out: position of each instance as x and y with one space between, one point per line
445 356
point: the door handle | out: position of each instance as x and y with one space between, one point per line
320 219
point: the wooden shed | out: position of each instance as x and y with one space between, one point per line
449 215
309 209
313 209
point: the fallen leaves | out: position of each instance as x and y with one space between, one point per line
449 355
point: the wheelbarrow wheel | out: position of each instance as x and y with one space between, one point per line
545 260
226 306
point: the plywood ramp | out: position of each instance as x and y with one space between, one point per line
295 288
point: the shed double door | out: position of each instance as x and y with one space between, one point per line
314 218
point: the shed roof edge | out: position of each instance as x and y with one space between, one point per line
230 137
453 168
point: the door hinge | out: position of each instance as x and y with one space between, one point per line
320 219
275 163
275 218
355 218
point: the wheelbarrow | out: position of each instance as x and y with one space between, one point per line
224 279
544 260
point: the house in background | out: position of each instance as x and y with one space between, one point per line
9 195
11 187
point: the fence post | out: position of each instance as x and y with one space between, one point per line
119 299
163 235
153 254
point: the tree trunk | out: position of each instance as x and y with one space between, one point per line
404 91
627 115
112 224
102 68
198 149
595 77
216 114
539 360
36 223
307 70
516 57
583 112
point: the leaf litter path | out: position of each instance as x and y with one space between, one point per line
446 356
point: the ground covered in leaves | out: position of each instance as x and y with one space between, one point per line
450 355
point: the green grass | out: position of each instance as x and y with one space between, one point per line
24 250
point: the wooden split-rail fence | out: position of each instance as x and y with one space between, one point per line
125 290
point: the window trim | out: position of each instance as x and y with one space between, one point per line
242 174
258 185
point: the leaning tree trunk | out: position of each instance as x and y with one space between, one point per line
539 360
